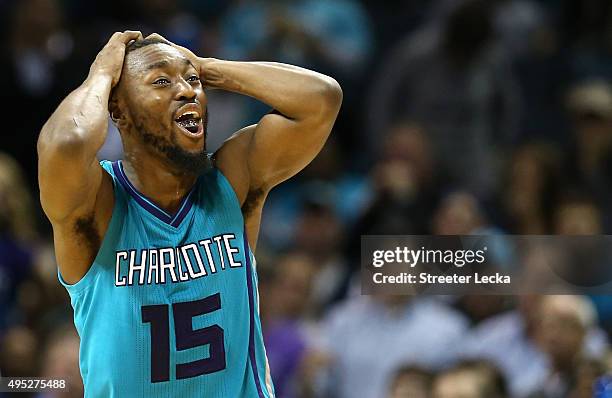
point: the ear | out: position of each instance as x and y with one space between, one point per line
114 109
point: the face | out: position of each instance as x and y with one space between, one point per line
410 385
293 285
578 219
457 385
559 331
162 105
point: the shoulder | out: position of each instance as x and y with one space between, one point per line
232 160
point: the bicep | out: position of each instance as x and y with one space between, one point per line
68 183
281 147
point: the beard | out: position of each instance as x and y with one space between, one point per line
185 161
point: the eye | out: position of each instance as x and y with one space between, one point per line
193 78
162 81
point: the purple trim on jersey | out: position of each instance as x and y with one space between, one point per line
147 204
252 317
180 215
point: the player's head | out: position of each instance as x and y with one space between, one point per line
159 105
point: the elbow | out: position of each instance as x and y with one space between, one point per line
66 142
331 95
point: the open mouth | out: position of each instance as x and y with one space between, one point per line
190 122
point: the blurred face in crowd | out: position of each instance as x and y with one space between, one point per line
458 384
411 384
405 163
409 143
15 200
160 106
559 330
578 219
18 352
594 128
528 305
526 182
62 362
292 285
458 215
533 172
318 232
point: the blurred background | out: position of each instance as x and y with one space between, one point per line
459 117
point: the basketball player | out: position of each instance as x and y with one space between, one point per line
156 250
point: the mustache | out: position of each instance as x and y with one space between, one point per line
189 102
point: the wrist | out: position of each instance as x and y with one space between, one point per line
99 76
211 72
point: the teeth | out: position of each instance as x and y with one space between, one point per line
190 113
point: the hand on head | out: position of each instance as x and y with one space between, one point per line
198 62
109 61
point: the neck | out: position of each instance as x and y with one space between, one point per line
156 179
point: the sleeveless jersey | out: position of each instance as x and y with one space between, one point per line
169 307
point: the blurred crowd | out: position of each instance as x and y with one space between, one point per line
460 117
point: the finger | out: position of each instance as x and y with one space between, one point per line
130 35
115 36
156 36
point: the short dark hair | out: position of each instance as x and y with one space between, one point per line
136 44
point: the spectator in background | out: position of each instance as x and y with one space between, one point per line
532 185
411 382
387 331
403 186
561 332
509 341
324 182
470 379
19 353
590 159
61 362
403 190
455 83
17 233
16 207
286 292
506 340
333 37
579 214
319 234
541 67
459 213
34 72
585 34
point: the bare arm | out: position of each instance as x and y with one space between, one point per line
70 177
306 105
285 141
67 148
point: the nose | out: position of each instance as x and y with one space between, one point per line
185 91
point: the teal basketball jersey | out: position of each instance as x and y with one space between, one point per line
169 307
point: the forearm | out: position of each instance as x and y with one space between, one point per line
80 122
295 92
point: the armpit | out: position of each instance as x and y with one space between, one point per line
252 201
86 231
